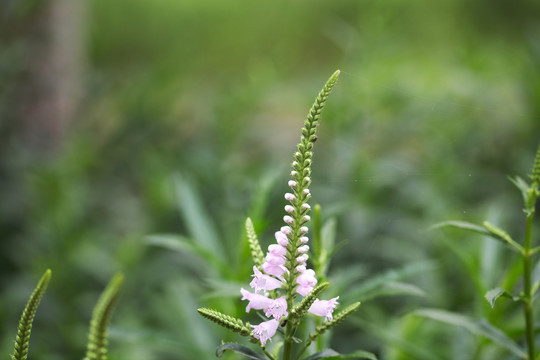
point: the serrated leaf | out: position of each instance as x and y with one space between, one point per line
493 294
330 354
479 327
239 349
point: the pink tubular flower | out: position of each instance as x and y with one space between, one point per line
307 281
288 219
276 270
256 301
289 196
263 282
277 309
289 209
274 259
265 330
277 250
286 230
324 308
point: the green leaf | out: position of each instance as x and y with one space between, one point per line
394 289
479 327
184 245
493 294
195 217
369 288
330 354
522 186
22 340
486 230
239 349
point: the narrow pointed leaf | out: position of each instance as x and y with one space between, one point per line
497 234
330 354
493 294
522 186
479 327
239 349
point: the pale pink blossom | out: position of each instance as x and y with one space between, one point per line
306 191
303 249
274 259
301 268
306 282
289 209
292 183
289 197
306 206
277 309
293 173
263 282
276 270
324 308
307 218
282 239
286 230
288 219
302 258
265 330
304 229
256 301
304 239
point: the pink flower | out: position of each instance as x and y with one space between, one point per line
303 249
256 301
292 183
265 330
286 230
277 250
274 259
289 196
307 281
324 307
288 219
263 282
304 239
281 238
289 209
276 270
277 309
302 258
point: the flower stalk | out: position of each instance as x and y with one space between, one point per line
282 275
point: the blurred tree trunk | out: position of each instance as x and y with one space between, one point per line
51 87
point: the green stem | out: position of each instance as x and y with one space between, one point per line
268 354
527 297
287 348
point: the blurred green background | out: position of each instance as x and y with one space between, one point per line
124 119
